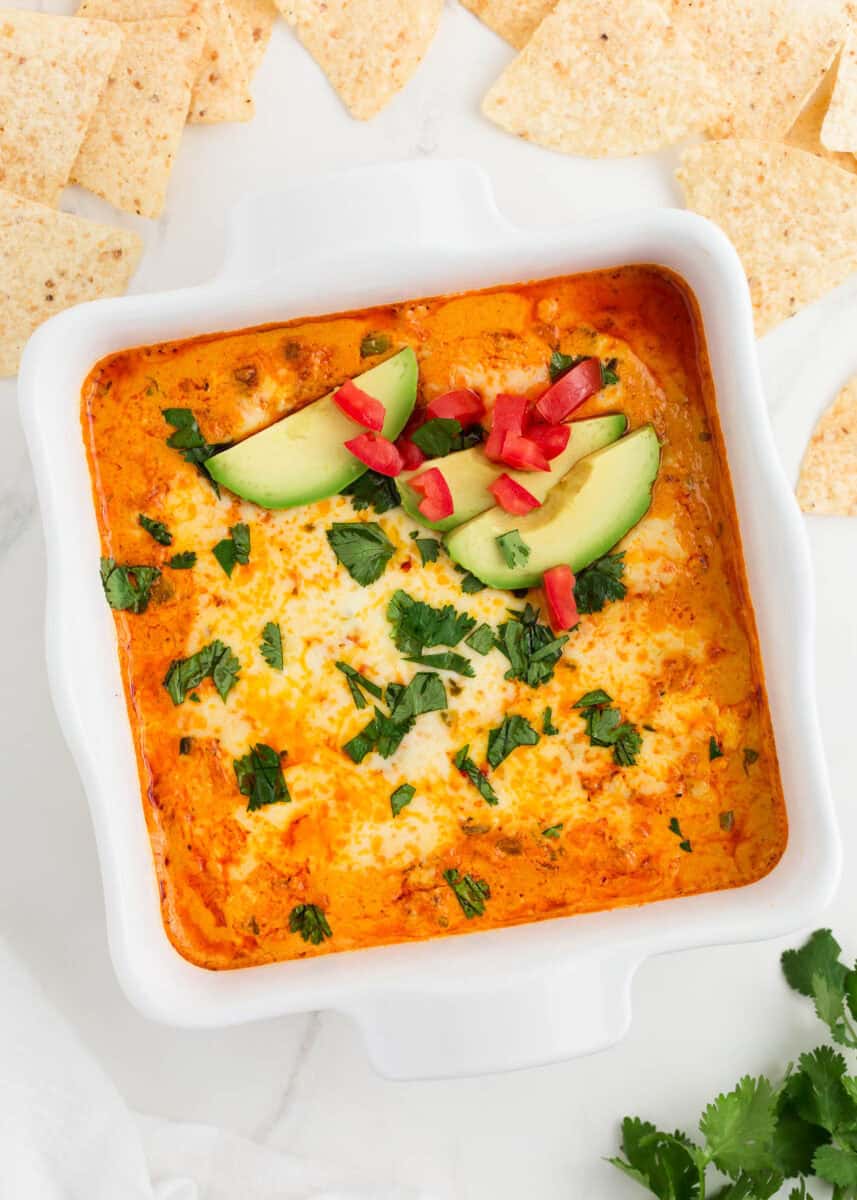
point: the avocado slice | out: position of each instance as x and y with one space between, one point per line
585 515
469 474
302 458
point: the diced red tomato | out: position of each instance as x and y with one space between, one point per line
512 497
522 454
376 452
412 456
509 413
462 405
550 439
568 393
436 503
360 406
558 583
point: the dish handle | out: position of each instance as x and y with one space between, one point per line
529 1021
409 204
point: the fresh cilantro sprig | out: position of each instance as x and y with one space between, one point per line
560 364
234 549
416 626
446 660
128 588
259 775
437 437
215 660
605 727
531 647
384 733
599 583
362 548
373 490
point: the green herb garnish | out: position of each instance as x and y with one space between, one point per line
470 893
429 548
604 727
513 548
530 647
357 684
446 660
384 733
437 436
675 828
548 727
417 625
374 343
155 529
234 549
362 548
470 585
609 375
560 364
310 922
373 490
401 797
260 777
188 439
481 639
127 588
552 831
215 660
468 767
271 647
714 749
599 582
513 732
182 561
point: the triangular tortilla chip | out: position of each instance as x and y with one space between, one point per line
839 131
252 23
828 476
368 49
52 73
129 150
514 20
768 55
791 216
601 79
806 131
50 260
221 92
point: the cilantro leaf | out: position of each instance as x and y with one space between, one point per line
469 769
664 1163
795 1140
182 561
429 548
470 585
838 1166
417 625
609 375
188 439
560 364
271 647
374 490
548 727
389 732
739 1127
514 731
384 733
402 797
234 549
604 727
599 583
470 893
357 681
127 588
675 827
447 660
155 529
374 343
714 749
530 647
481 639
363 742
310 922
362 548
436 436
425 693
598 696
553 831
820 1096
814 970
260 777
215 660
513 548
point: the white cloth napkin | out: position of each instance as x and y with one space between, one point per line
66 1133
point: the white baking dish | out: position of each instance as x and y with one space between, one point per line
486 1001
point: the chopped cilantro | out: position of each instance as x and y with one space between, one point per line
474 436
514 549
362 743
371 489
599 582
514 731
271 647
363 549
750 757
188 439
548 727
234 549
599 696
604 727
357 681
481 639
260 777
182 561
436 436
417 625
552 831
429 548
155 529
402 797
468 767
714 749
609 375
470 893
310 922
446 660
727 821
675 828
470 585
374 343
425 693
384 733
215 660
127 588
530 647
560 364
185 745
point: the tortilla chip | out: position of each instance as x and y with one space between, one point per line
806 131
221 92
828 476
601 79
514 20
252 23
50 260
791 216
768 55
839 131
52 73
368 49
130 147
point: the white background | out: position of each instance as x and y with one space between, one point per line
701 1019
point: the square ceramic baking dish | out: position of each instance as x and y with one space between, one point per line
486 1001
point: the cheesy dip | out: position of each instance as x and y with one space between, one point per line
343 737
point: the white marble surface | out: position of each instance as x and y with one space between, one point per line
700 1019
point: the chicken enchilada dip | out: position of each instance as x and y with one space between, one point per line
432 618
